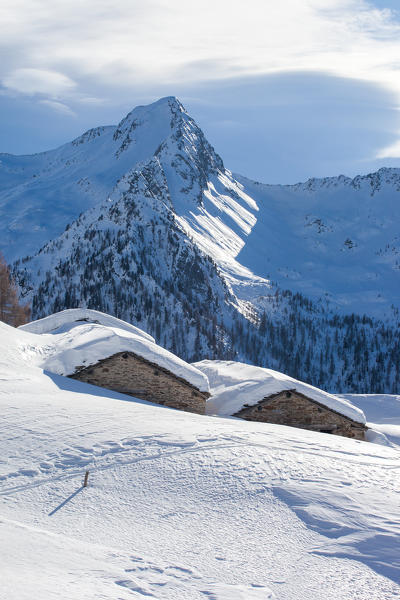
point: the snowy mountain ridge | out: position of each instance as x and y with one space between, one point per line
211 264
339 239
42 193
334 237
371 181
219 211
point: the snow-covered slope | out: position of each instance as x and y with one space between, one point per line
335 237
382 412
179 505
234 384
62 342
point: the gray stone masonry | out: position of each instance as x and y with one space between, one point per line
290 407
131 374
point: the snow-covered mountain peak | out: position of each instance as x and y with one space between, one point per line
163 109
149 125
186 146
164 128
42 193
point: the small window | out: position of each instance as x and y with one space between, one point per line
125 355
288 394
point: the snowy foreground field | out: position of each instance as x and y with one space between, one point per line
184 506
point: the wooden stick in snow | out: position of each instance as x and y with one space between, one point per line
85 481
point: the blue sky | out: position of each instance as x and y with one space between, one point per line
284 91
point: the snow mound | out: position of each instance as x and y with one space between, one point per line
383 415
80 337
78 315
12 347
234 384
379 408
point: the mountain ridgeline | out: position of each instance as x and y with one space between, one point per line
303 279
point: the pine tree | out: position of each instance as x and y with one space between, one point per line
11 311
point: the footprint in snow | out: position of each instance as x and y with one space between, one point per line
225 591
135 586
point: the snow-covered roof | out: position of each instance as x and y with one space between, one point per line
81 337
234 384
77 315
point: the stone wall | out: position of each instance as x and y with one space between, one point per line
294 409
131 374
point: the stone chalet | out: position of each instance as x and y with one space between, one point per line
258 394
131 374
102 350
290 407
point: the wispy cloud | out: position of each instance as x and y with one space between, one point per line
91 101
128 43
38 81
58 107
390 151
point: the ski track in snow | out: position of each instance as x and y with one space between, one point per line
99 458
